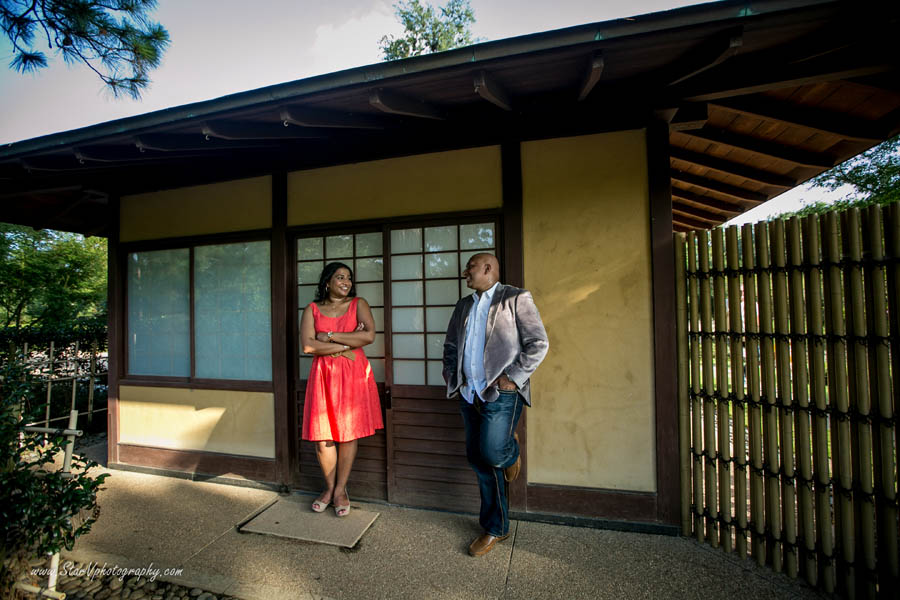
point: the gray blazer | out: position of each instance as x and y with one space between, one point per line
515 342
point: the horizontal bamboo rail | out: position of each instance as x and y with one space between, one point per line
789 349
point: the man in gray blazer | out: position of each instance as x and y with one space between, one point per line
495 341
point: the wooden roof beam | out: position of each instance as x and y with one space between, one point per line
181 142
397 104
592 75
727 167
768 149
689 223
718 187
709 53
488 88
728 207
241 131
681 228
809 118
693 115
699 213
308 117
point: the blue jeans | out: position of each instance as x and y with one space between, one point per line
490 448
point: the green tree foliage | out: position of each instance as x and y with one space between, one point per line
114 38
428 30
49 278
41 510
874 175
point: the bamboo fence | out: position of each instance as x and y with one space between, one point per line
788 351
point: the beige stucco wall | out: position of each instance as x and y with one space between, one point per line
451 181
587 262
239 205
230 422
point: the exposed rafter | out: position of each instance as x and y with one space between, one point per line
693 115
592 75
823 122
394 103
727 167
308 117
727 207
693 211
707 54
718 187
762 148
689 223
488 88
237 130
179 142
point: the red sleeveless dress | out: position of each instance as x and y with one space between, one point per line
341 397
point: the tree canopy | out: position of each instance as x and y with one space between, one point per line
49 278
427 30
114 38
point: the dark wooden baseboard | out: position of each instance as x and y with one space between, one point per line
595 503
210 464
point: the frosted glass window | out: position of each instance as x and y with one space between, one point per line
372 292
442 265
440 238
442 292
159 313
338 246
309 272
409 372
406 240
435 373
378 316
305 295
464 290
232 312
408 319
305 364
376 348
377 365
369 269
406 267
368 244
435 347
407 293
438 318
480 235
309 248
408 346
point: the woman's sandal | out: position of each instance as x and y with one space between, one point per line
342 511
319 505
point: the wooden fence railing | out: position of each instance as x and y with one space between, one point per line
788 392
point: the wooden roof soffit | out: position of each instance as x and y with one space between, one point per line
180 142
592 75
688 222
699 213
706 55
711 185
308 117
708 201
488 88
727 167
693 115
809 118
756 146
398 104
227 130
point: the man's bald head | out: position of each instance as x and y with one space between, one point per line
482 271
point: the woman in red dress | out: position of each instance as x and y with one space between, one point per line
342 402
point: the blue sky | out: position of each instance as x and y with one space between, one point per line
221 47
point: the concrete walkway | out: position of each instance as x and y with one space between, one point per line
408 553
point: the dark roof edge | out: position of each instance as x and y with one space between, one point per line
699 14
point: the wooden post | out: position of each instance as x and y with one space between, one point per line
92 382
75 371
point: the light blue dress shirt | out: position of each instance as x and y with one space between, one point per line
473 349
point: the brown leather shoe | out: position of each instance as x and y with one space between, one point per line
485 543
511 473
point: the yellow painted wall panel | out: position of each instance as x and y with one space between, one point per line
451 181
587 262
239 205
229 422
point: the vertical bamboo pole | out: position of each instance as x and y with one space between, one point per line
800 380
757 481
723 422
842 478
815 326
684 408
75 373
92 383
770 423
880 393
860 404
737 389
709 401
696 403
783 377
889 577
49 385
